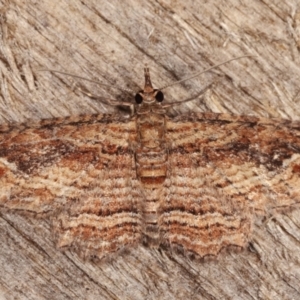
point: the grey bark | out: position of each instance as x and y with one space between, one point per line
111 41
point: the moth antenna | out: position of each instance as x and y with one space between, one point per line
206 70
200 95
90 80
107 101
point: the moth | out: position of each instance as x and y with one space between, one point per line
194 183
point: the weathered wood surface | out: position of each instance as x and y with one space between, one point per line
112 41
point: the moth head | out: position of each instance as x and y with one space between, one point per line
154 96
148 95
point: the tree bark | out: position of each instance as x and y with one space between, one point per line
111 41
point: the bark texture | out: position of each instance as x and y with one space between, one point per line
111 41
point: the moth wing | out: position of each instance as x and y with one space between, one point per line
223 171
81 172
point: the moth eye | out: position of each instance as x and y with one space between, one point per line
159 96
138 98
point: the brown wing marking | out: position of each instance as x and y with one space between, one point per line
81 172
224 171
